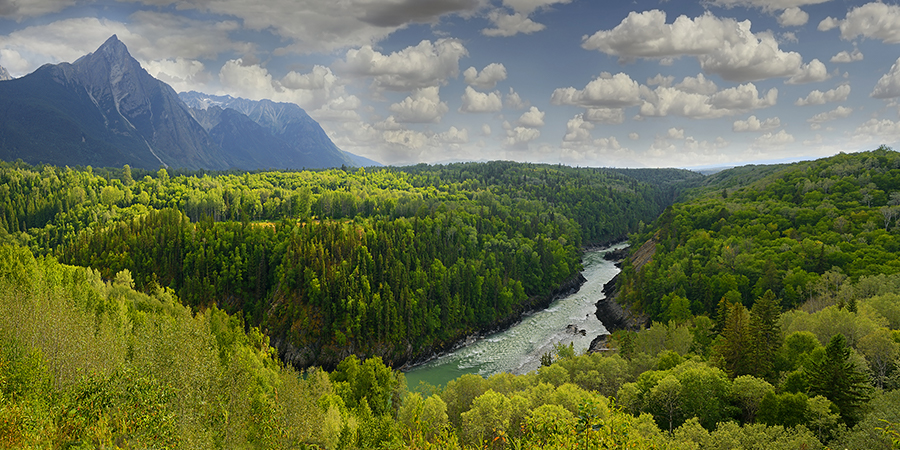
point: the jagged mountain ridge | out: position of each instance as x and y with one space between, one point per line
285 123
106 110
4 75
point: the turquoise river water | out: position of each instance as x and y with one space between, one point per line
518 349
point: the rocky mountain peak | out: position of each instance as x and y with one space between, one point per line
4 75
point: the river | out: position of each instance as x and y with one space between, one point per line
518 349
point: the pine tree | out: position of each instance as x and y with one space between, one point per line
734 342
836 378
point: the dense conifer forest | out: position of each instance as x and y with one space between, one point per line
193 310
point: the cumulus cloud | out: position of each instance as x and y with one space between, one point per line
506 25
697 85
578 136
813 72
478 102
453 136
793 17
423 106
873 21
724 47
888 85
319 88
818 97
604 115
660 80
519 137
609 91
487 78
634 136
426 64
770 140
846 57
754 124
512 100
180 73
838 113
673 101
884 130
533 118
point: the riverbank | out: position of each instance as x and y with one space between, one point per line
567 320
610 309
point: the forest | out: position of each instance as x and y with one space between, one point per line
267 309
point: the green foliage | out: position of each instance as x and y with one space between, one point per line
838 379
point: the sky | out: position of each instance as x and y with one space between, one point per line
594 83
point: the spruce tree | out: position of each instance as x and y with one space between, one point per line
765 335
836 378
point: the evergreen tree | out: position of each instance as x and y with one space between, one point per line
734 342
765 335
836 378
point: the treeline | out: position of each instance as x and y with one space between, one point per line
800 232
392 262
88 363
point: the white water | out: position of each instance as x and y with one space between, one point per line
518 350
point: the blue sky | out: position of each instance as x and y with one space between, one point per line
578 82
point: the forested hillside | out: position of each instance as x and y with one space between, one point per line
395 262
775 292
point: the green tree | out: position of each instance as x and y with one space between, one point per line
836 378
765 335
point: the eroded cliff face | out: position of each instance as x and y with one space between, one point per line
610 310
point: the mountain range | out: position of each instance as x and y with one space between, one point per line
105 110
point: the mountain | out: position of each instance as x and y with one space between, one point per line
286 122
106 110
103 109
4 75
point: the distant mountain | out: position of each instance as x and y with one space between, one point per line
286 123
105 110
4 75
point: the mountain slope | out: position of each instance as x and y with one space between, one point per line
290 124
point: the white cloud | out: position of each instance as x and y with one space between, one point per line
606 91
697 85
793 17
578 131
634 136
506 25
514 101
888 85
319 88
453 136
533 118
673 101
724 47
884 130
770 140
485 129
604 115
487 78
872 20
478 102
818 97
828 23
426 64
846 57
754 124
838 113
519 137
675 133
660 80
578 137
423 106
813 72
182 74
